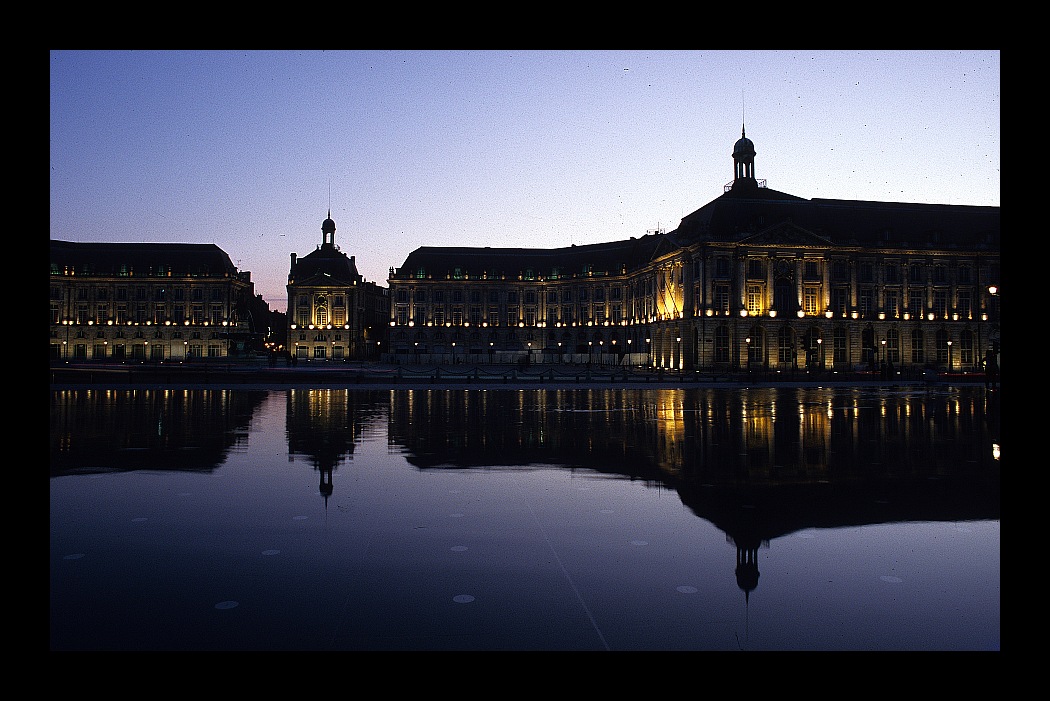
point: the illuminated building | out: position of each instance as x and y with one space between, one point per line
755 279
333 312
150 301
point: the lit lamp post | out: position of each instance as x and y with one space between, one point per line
748 342
993 290
681 360
949 355
820 353
648 352
453 352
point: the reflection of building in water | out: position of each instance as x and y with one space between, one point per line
324 425
145 429
757 463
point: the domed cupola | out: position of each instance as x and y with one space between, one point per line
744 161
328 230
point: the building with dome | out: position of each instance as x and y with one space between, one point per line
333 312
756 279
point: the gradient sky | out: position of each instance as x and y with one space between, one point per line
250 149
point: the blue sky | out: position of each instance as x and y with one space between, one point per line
249 149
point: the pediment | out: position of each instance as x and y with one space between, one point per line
323 280
786 234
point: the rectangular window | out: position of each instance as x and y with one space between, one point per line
721 302
809 300
722 268
940 304
754 299
915 302
838 345
839 300
891 306
866 301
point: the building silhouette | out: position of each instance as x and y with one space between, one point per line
755 279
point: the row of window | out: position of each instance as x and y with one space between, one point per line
140 293
893 272
155 334
139 351
142 314
497 296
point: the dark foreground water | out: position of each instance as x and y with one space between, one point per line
543 519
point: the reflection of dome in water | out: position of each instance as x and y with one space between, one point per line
747 570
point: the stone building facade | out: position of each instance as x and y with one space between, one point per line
333 312
755 279
150 302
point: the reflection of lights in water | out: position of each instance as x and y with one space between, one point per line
995 450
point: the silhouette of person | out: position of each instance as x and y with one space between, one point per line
991 369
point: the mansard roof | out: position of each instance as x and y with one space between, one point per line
736 218
593 259
144 259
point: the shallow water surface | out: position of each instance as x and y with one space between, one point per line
540 519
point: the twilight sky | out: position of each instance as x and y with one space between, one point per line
250 149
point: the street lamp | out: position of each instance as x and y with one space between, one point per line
681 361
748 342
820 353
648 352
949 355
